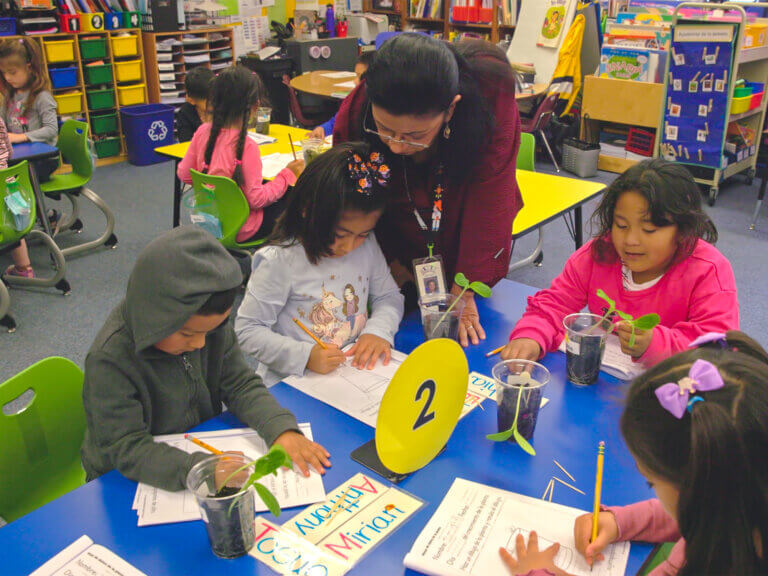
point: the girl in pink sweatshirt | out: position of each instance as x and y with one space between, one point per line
696 427
223 148
652 253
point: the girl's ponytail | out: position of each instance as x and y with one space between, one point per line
237 175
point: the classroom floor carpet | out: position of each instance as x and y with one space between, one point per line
50 324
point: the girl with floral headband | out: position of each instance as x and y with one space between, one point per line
322 247
696 426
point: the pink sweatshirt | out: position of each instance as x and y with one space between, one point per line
695 296
258 193
646 521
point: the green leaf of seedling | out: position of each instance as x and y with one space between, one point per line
480 289
632 337
501 436
647 322
611 303
461 280
268 498
624 316
523 443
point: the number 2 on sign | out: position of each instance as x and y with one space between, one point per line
425 415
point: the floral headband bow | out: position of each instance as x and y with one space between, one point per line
676 398
366 172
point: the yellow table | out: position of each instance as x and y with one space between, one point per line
177 152
545 198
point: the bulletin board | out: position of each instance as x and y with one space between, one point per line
697 90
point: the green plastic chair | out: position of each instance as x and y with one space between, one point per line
9 239
40 458
229 205
526 154
73 144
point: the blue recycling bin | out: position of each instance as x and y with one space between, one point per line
146 127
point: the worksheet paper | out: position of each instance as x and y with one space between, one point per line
344 85
262 138
272 164
156 506
473 521
337 75
615 362
84 558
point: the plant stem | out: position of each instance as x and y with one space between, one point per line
442 318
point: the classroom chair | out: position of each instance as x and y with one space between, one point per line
73 144
540 120
10 237
42 424
526 160
306 119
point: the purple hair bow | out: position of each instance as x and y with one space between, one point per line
708 338
675 398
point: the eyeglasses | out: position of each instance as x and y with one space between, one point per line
391 139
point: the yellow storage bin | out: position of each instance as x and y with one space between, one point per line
754 35
130 95
124 46
128 71
739 105
69 103
60 50
92 22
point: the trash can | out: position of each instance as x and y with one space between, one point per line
271 74
146 127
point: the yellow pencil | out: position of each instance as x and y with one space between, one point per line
598 488
315 338
292 148
203 444
494 352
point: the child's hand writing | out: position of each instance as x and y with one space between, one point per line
607 533
368 349
325 360
531 558
296 166
642 339
304 452
521 349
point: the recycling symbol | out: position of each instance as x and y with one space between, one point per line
157 131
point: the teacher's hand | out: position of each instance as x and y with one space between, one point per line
469 323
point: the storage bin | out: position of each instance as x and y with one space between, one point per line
146 127
69 22
580 157
107 147
758 88
124 46
113 21
93 48
131 95
69 103
60 50
101 74
7 26
739 105
100 99
132 20
104 123
754 35
128 71
63 77
92 22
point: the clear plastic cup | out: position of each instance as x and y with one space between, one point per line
438 324
585 336
312 148
263 117
519 390
228 518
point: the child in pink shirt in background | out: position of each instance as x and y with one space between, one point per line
652 253
695 425
223 148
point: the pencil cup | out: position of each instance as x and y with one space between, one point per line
440 314
585 336
519 391
263 117
228 513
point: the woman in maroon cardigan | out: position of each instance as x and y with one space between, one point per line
445 117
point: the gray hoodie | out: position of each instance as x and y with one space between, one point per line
133 391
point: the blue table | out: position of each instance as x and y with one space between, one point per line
31 152
568 430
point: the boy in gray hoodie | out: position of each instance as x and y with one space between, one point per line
167 358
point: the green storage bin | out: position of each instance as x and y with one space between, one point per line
104 124
93 48
101 74
101 99
107 147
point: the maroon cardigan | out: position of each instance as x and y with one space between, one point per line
476 227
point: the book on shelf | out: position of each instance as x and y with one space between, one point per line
508 13
630 63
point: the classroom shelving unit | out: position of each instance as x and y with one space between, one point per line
169 55
94 74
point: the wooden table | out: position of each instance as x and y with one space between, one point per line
534 91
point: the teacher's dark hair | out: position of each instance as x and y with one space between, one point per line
414 74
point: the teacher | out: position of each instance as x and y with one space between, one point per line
446 119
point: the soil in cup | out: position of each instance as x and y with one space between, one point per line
230 526
583 360
530 403
448 328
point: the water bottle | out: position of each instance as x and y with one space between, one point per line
329 21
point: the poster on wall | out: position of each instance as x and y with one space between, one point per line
554 22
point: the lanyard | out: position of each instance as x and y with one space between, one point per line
437 207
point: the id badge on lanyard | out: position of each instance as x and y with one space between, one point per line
430 271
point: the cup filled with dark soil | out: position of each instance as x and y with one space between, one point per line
263 117
227 511
585 336
520 388
440 315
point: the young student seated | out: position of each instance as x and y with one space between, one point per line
652 254
191 114
222 147
167 359
324 267
695 426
